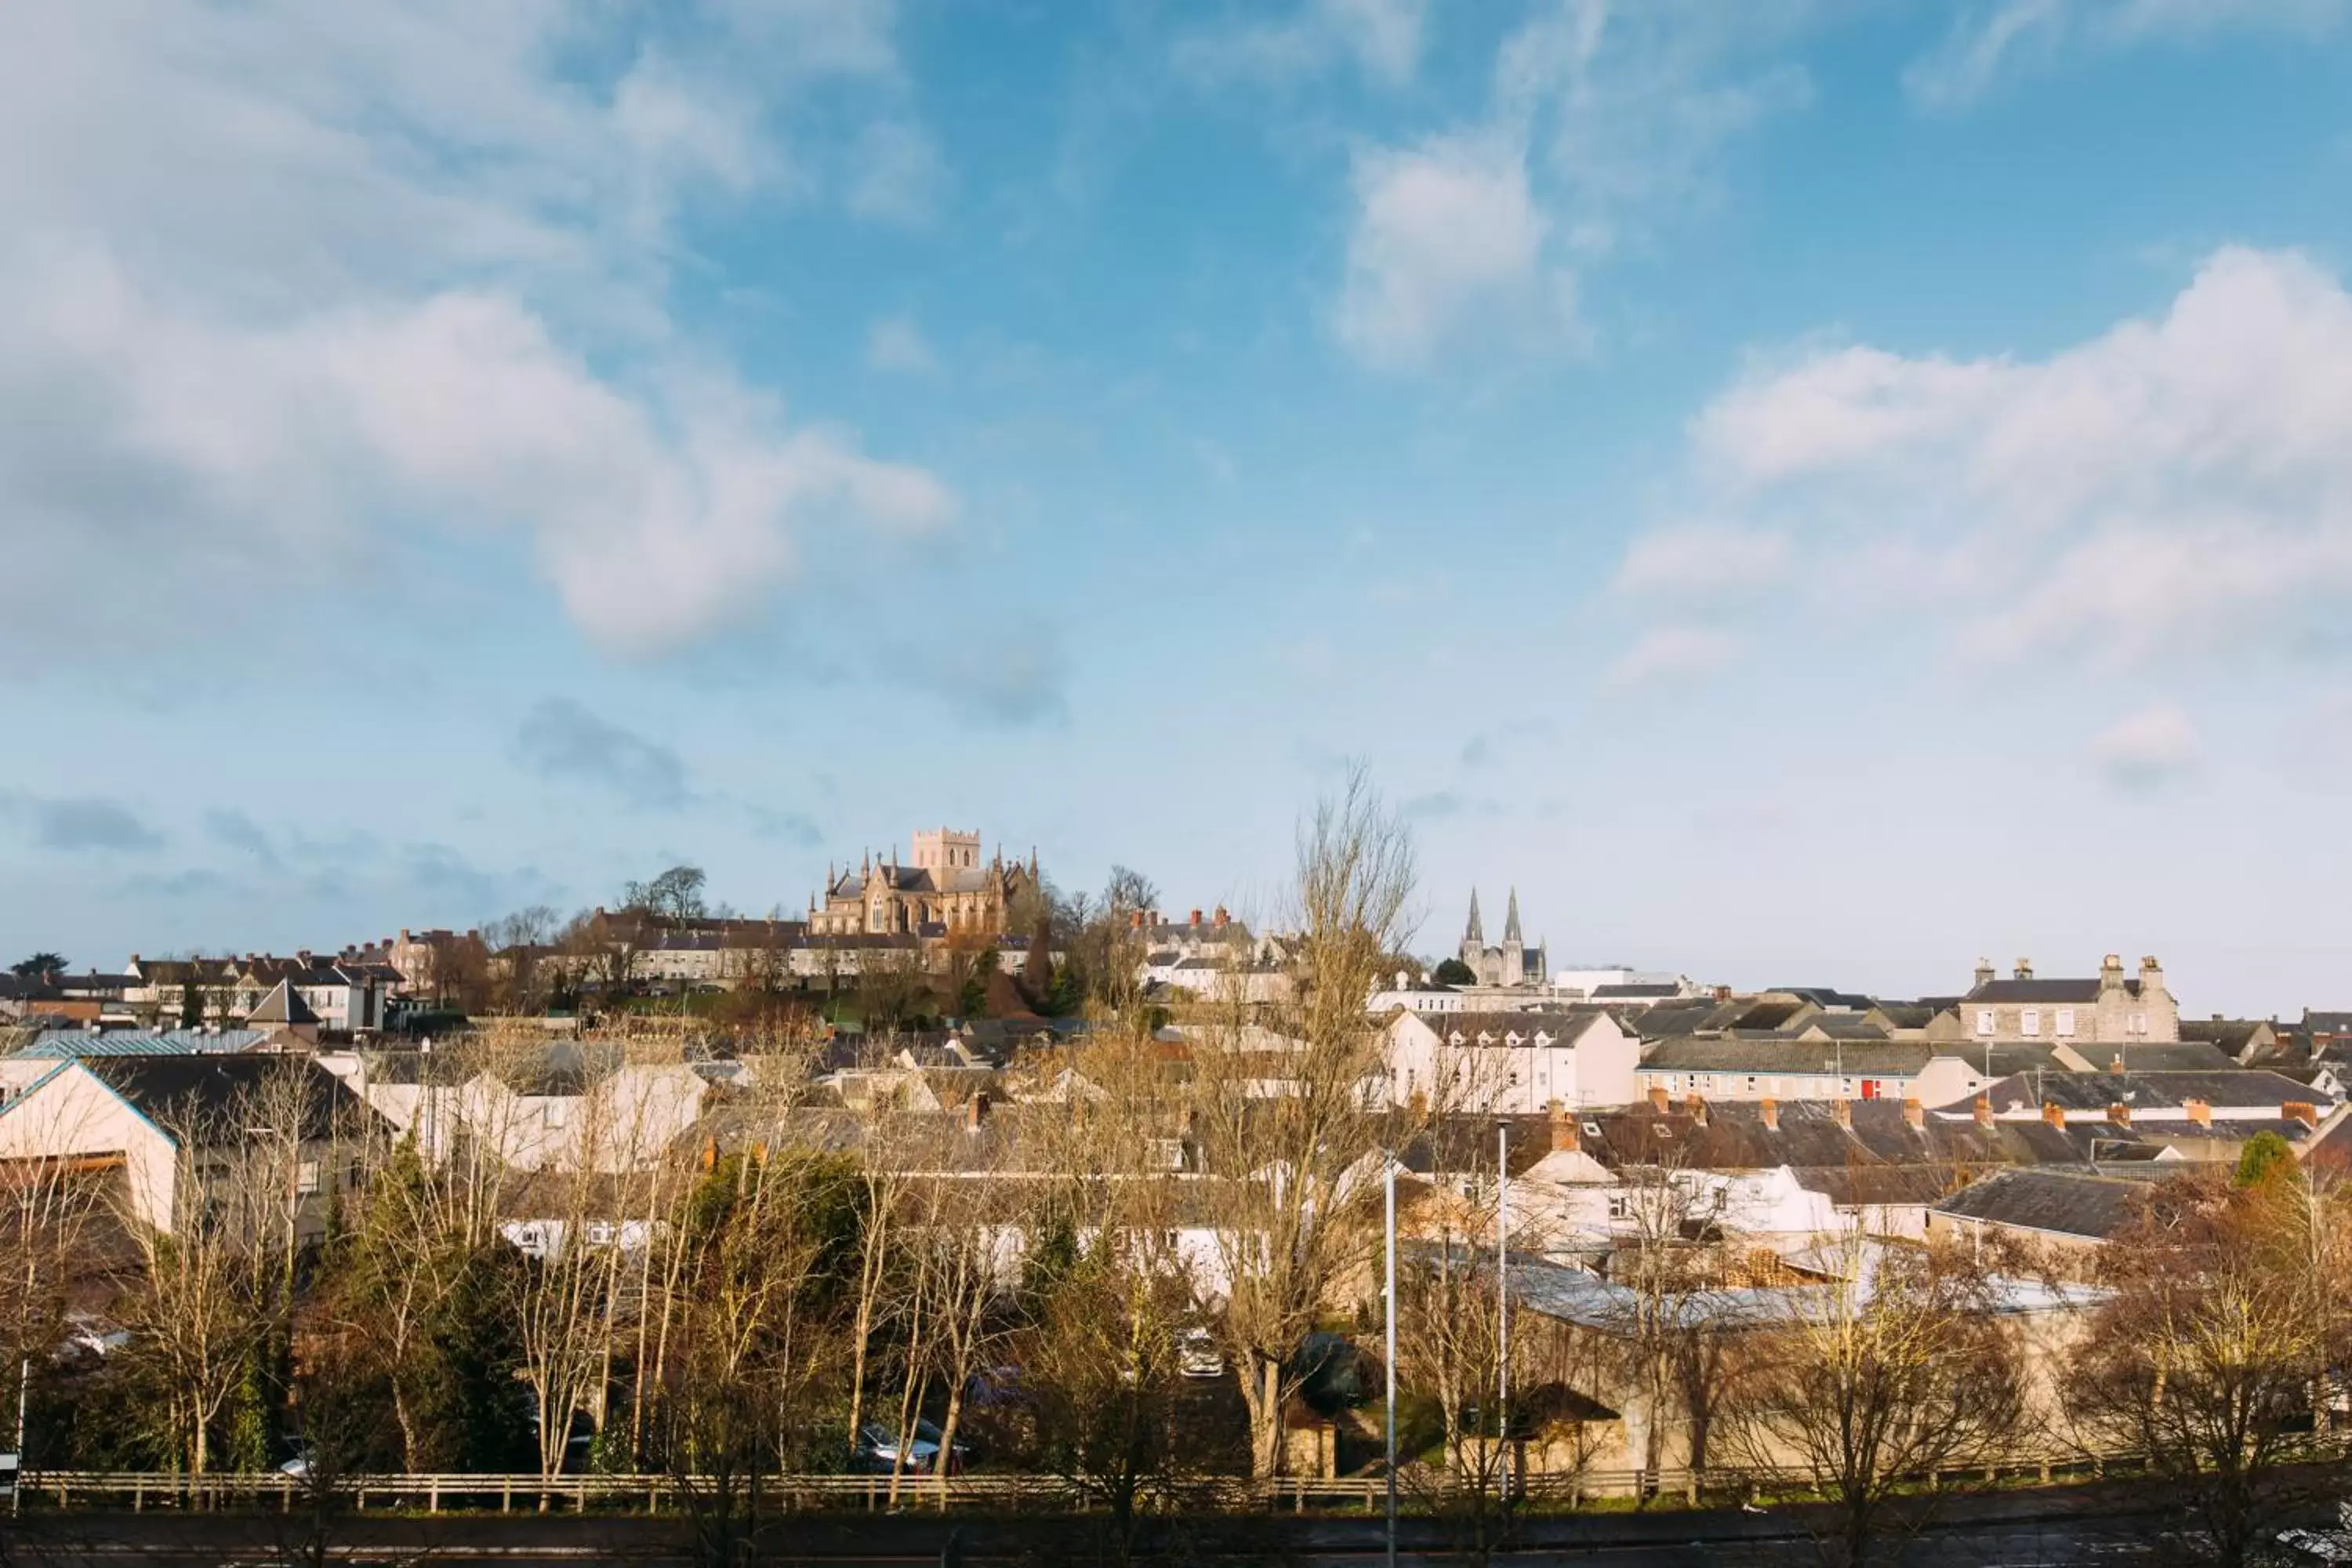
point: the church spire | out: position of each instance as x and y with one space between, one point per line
1474 934
1511 920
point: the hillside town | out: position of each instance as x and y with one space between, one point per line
952 1162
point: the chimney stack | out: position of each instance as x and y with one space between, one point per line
2054 1113
1135 920
1768 1112
1915 1114
1983 1109
2200 1112
2115 1065
2151 977
1223 920
1196 919
2300 1110
1563 1132
1696 1108
2119 1113
975 1111
2024 969
2111 972
1658 1098
1984 971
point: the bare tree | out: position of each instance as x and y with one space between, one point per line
2218 1352
1900 1369
1292 1104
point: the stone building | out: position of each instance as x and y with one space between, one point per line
1512 964
946 890
2107 1009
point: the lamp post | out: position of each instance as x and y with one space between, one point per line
1503 1295
1389 1313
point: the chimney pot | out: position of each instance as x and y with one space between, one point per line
1915 1114
1768 1112
1696 1107
2025 969
1983 1109
2119 1113
2115 1065
2054 1113
1658 1098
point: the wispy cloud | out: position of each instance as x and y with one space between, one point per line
78 824
896 345
1666 655
2147 748
1996 41
1383 39
561 739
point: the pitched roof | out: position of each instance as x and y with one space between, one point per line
1562 1026
2068 1202
68 1043
204 1090
2146 1090
283 1006
1785 1055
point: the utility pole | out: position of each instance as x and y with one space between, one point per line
1388 1194
24 1361
1503 1295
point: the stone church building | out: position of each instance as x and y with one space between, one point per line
948 889
1512 964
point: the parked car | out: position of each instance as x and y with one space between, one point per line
1198 1354
878 1449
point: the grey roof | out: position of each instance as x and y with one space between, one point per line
209 1087
1561 1025
1635 991
1785 1055
75 1043
2042 990
2067 1202
2159 1056
284 1004
2144 1091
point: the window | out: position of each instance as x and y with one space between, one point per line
1751 1083
2064 1027
1984 1022
2139 1023
2029 1022
1620 1206
306 1177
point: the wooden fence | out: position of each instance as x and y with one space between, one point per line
657 1494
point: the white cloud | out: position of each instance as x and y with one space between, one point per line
897 176
1448 245
2000 39
2179 483
289 283
897 346
1666 655
2147 748
1703 559
1602 119
1381 37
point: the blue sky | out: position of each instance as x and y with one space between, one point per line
1809 491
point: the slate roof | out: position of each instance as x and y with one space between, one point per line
169 1087
1562 1024
2067 1202
283 1006
2142 1090
1787 1056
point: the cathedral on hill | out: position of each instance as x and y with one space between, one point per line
948 889
1512 964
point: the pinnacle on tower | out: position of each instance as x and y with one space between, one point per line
1511 919
1474 932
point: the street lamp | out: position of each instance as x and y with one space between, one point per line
1502 1294
1389 1313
